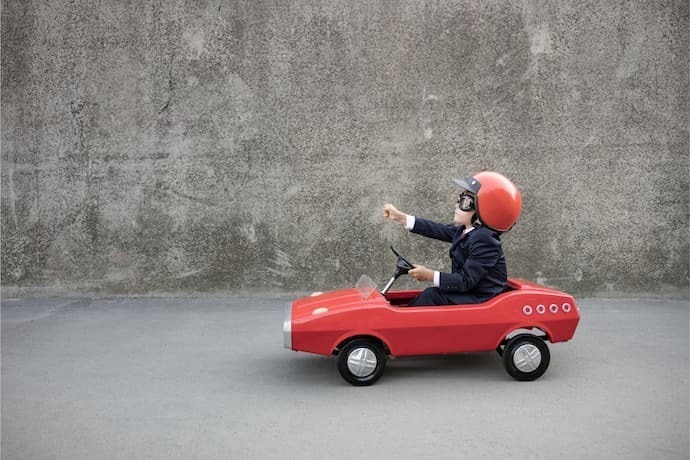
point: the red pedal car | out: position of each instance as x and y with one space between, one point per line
362 326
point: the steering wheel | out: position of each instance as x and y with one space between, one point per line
403 265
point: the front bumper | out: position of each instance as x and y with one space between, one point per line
287 326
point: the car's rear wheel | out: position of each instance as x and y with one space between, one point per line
526 357
361 362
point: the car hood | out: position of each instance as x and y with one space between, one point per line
332 301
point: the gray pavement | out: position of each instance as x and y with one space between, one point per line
207 378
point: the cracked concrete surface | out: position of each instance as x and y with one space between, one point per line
207 146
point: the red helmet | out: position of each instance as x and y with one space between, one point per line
498 200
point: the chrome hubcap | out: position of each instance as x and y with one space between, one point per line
527 357
361 362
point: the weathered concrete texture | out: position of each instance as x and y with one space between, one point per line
161 145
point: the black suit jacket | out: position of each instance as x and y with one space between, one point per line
478 266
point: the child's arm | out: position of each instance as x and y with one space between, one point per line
431 229
419 225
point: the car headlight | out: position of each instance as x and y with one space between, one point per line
287 326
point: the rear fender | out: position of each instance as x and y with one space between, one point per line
535 329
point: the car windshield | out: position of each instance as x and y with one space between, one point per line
365 286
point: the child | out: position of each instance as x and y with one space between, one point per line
489 204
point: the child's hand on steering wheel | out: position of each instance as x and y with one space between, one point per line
421 273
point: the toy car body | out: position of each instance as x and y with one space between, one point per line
363 326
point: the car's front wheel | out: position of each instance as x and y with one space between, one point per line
526 357
361 362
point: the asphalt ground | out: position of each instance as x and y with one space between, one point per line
208 378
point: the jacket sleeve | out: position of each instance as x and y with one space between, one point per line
434 230
483 254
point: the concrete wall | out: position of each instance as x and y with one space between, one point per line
160 145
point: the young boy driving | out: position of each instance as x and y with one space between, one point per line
489 204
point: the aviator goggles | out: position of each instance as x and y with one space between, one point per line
466 202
